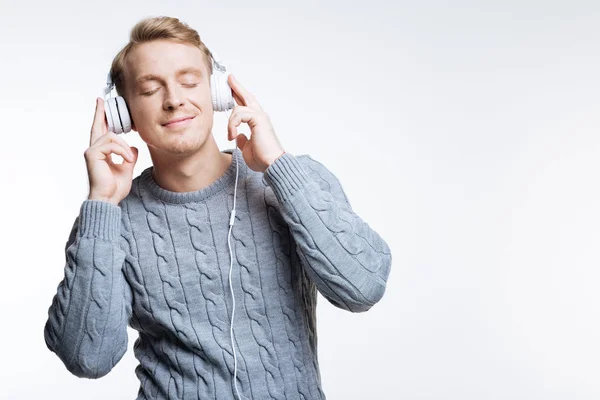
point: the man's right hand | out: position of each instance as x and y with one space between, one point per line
108 181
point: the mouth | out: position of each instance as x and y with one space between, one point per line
177 122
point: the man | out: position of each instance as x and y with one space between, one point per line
152 252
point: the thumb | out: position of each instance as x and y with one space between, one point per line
241 140
136 153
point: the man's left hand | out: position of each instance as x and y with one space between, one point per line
263 147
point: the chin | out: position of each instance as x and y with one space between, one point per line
181 147
183 144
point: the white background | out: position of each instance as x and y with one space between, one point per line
464 132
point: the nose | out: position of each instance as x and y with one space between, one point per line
173 97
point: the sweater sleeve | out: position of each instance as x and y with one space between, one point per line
346 259
88 318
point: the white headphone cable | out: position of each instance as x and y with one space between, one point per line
231 222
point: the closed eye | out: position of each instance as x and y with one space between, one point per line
191 85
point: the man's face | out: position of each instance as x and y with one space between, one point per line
166 80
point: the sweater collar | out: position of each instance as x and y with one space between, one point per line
225 180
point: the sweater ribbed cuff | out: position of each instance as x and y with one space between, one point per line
286 176
99 219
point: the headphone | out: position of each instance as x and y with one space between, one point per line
119 121
117 113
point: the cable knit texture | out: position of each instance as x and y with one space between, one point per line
159 262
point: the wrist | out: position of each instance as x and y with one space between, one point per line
273 159
105 199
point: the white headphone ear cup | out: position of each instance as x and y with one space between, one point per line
123 114
114 113
120 121
222 98
213 91
108 113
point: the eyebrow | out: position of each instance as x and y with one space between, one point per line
152 77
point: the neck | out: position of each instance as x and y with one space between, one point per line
191 172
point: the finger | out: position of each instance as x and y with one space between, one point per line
232 127
241 141
245 97
112 137
232 123
99 126
105 150
247 115
236 119
127 165
136 154
238 99
238 109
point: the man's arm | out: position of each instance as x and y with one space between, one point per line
346 259
88 319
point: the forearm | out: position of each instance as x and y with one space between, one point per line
87 321
347 260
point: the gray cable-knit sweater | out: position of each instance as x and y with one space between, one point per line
159 262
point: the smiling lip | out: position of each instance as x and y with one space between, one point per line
178 121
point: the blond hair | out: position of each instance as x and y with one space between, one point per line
156 28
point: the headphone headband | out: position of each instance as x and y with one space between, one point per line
109 84
219 65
